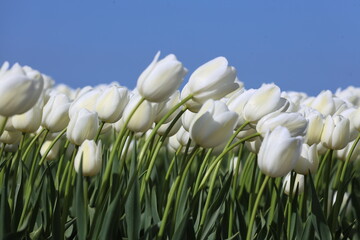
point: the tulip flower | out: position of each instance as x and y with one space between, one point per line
143 117
187 119
315 125
18 91
353 115
343 153
254 145
56 113
86 100
265 100
298 184
213 125
29 121
54 151
111 103
213 80
90 154
161 78
279 152
83 125
237 102
324 103
336 132
294 122
164 127
308 161
10 137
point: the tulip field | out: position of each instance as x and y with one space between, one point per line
209 160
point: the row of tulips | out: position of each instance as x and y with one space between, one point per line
212 161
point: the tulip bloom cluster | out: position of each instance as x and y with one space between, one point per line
212 160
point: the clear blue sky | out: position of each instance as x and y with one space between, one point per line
299 45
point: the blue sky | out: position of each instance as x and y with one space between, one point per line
299 45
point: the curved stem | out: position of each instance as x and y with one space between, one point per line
2 125
32 143
154 131
236 133
203 164
109 164
51 146
208 197
224 152
348 157
99 131
253 214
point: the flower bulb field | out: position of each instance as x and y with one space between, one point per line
210 160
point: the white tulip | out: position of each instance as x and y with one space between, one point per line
308 161
10 137
324 103
18 91
265 100
86 100
298 184
161 78
336 132
294 122
164 108
83 125
213 125
56 113
213 80
91 155
279 152
29 121
111 103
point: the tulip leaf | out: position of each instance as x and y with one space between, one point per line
132 205
318 220
81 205
4 208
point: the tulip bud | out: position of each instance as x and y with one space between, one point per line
183 137
54 151
279 152
265 100
56 113
143 117
336 132
294 122
324 103
213 80
86 100
353 115
187 119
29 121
298 184
254 145
91 155
308 161
173 144
343 153
315 126
18 91
213 125
237 102
83 125
111 103
161 78
10 137
164 127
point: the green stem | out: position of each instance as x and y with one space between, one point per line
183 177
348 157
203 164
167 208
327 178
233 192
2 125
162 120
224 152
208 197
168 173
32 143
236 133
51 146
106 176
99 131
253 214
